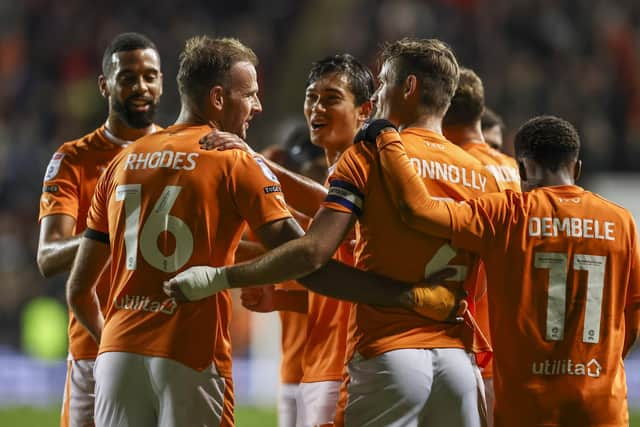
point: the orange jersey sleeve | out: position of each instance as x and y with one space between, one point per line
168 206
388 246
560 266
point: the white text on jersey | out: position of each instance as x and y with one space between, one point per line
446 172
162 159
586 228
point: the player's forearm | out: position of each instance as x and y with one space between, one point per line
408 192
57 256
302 193
291 300
632 329
248 250
340 281
290 261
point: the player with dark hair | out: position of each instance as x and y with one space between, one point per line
131 81
404 369
566 309
492 128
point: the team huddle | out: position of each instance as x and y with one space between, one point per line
432 281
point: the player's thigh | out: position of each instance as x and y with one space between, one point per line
287 405
79 394
124 394
189 397
457 395
319 401
390 389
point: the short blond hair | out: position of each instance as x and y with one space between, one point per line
205 62
432 62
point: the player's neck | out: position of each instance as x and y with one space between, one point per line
464 134
192 116
120 130
425 121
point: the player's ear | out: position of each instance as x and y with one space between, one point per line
577 170
216 97
410 85
102 86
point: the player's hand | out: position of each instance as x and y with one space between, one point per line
370 130
439 302
258 299
220 140
196 283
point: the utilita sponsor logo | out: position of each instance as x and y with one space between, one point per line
144 303
567 367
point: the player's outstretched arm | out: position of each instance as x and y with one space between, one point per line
57 246
92 258
298 258
302 193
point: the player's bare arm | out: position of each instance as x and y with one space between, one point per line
57 246
92 258
303 194
311 253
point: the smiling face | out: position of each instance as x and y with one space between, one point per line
133 86
331 112
240 101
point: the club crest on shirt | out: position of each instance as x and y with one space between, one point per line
54 166
265 170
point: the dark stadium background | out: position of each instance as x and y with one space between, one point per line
576 59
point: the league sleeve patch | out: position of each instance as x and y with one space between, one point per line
272 189
347 195
266 171
50 189
54 166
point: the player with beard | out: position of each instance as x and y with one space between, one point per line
131 81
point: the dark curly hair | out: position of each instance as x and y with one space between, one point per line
550 141
124 42
360 78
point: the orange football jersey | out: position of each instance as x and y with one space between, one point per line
387 246
168 205
327 330
504 168
562 264
69 182
294 340
505 171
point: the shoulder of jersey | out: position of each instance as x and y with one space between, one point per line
621 209
78 146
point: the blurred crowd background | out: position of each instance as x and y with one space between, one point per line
576 59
